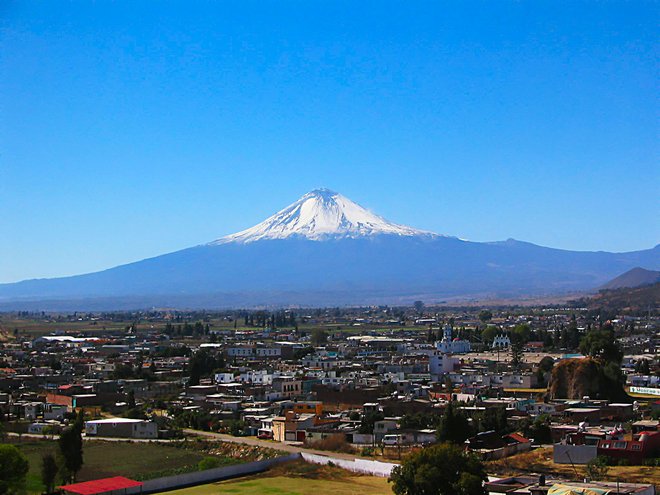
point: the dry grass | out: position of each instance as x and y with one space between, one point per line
296 478
333 443
540 461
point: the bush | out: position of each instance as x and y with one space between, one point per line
367 452
334 443
208 463
597 468
443 469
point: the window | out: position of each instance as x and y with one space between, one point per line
619 445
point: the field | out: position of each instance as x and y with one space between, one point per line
296 478
540 461
34 326
103 459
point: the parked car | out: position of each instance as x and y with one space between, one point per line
392 439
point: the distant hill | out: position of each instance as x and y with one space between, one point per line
637 277
629 299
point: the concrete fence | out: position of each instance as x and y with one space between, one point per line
363 466
573 454
209 475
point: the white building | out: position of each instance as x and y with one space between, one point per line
453 346
441 363
122 427
501 341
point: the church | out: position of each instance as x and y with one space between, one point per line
452 346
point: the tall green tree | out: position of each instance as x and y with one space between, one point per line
454 426
517 354
13 469
49 469
443 469
71 448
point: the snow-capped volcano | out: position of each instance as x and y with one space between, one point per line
404 265
318 215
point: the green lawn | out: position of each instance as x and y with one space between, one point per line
105 459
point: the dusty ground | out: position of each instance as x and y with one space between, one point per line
540 461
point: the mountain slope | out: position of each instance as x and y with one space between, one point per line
636 277
320 215
325 249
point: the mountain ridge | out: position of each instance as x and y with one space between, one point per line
333 251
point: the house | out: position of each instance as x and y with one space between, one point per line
291 427
491 445
642 446
122 428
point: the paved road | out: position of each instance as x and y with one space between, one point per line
271 445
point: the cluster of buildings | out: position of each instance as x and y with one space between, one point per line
358 387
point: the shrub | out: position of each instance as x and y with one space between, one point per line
335 443
597 468
208 463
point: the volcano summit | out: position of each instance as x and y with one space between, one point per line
320 215
324 249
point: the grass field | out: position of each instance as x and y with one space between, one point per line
104 459
540 461
296 478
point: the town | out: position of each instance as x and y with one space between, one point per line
541 395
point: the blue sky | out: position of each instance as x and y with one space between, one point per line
130 129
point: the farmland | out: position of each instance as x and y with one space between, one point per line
104 459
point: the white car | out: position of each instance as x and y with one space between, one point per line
392 439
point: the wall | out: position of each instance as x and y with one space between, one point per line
578 454
374 468
210 475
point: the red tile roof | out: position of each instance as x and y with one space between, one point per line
518 438
103 485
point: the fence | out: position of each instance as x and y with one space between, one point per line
363 466
573 454
209 475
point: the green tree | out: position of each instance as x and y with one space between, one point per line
517 355
596 469
368 421
522 333
49 469
642 366
454 426
601 344
319 337
485 315
442 469
13 469
71 447
546 364
419 307
203 363
489 334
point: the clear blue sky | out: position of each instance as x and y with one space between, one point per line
134 128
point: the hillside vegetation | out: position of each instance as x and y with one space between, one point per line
577 378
